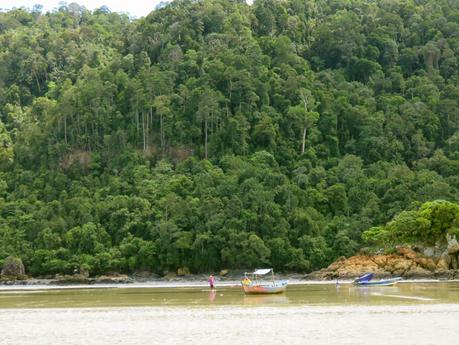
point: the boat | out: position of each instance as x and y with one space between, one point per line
253 285
366 280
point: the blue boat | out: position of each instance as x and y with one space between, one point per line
366 280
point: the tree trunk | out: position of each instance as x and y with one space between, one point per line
146 132
143 132
36 80
65 128
212 123
305 125
161 130
151 116
230 90
303 144
151 120
205 142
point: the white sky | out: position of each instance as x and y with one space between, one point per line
137 8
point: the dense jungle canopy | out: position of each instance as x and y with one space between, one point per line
216 134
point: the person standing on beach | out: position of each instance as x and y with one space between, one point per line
211 282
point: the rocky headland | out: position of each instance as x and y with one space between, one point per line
439 262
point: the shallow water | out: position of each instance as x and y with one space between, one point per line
408 313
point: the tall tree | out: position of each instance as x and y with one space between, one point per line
304 113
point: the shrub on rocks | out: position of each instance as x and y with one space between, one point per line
13 267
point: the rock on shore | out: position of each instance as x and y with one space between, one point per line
406 263
82 279
13 267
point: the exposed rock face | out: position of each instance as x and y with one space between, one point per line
444 262
427 263
113 279
453 245
183 271
70 279
406 262
418 272
407 253
432 252
170 276
441 260
354 266
82 279
429 251
398 265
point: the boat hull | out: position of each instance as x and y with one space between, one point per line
257 289
384 282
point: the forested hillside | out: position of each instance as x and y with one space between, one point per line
215 134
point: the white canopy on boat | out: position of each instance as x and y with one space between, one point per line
262 271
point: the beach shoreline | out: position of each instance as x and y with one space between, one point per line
179 282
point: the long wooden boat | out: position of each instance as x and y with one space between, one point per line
277 287
254 286
366 280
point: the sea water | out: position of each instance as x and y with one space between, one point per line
407 313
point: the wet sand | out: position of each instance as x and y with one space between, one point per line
318 325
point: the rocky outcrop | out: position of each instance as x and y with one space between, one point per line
453 245
112 279
170 276
418 272
426 263
439 261
444 262
13 268
405 262
77 279
183 271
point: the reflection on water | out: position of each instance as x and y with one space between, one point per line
313 294
212 295
265 299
